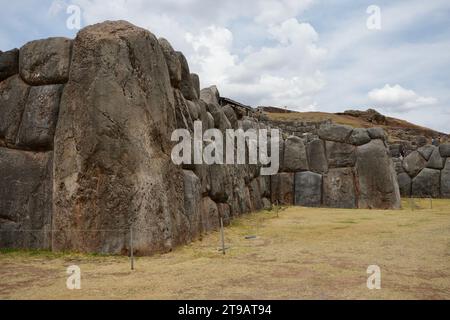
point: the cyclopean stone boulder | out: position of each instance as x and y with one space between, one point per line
340 154
13 97
413 163
339 188
45 61
436 161
445 180
39 117
9 64
359 137
295 157
308 189
444 149
282 185
173 62
26 199
335 132
404 184
192 202
112 147
317 158
426 183
377 180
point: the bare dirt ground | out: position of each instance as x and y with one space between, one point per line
301 254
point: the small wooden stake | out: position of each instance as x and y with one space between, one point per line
222 235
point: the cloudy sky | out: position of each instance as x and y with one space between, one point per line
304 54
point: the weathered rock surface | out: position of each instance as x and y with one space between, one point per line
335 132
173 63
210 215
186 85
112 147
308 189
436 161
196 83
295 157
316 156
9 64
426 151
340 154
231 116
13 96
413 163
45 61
404 184
192 203
39 118
359 137
445 180
377 133
377 180
255 195
339 188
210 95
26 199
426 183
282 186
445 150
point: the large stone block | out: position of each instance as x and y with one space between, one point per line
25 199
427 183
186 85
436 161
339 188
426 151
377 133
221 182
359 137
295 157
414 163
13 96
445 180
444 149
9 64
172 61
317 158
210 95
231 116
45 61
113 169
38 125
404 183
335 132
282 186
255 195
196 83
377 180
340 155
210 215
308 189
192 203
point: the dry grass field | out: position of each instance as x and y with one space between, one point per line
299 253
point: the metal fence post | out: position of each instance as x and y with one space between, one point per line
222 235
131 248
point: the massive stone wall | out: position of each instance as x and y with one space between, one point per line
424 172
85 148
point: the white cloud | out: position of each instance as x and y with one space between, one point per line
397 98
286 73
